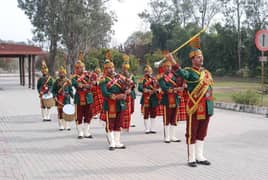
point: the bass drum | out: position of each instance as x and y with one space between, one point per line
48 100
68 112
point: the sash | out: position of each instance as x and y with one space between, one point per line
62 86
170 95
171 100
60 101
168 78
112 108
44 85
82 97
197 100
146 99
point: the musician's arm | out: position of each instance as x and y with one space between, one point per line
104 90
70 89
75 83
50 85
54 89
39 83
163 85
140 87
184 73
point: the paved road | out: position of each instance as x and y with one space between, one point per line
31 149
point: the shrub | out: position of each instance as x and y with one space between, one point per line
246 97
220 72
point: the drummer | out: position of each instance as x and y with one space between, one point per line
62 92
44 87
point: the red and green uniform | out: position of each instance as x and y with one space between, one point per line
113 109
170 99
63 92
44 86
83 99
199 106
148 101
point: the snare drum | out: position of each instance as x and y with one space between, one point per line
68 112
48 100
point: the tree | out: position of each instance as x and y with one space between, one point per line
77 24
45 17
205 10
138 44
235 9
159 13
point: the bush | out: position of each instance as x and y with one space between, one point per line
220 72
247 97
243 72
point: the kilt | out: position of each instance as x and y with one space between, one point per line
159 110
181 111
97 101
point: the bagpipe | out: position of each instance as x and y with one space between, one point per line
87 80
125 83
152 84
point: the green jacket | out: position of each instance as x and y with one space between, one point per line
108 91
166 86
67 91
89 95
192 79
153 101
41 84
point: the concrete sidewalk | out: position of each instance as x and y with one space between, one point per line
31 149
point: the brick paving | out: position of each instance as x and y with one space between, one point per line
31 149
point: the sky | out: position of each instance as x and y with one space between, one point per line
16 26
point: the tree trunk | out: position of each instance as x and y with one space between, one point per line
52 55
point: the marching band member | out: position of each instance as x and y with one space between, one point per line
83 99
131 98
62 92
44 86
170 101
114 105
199 106
149 87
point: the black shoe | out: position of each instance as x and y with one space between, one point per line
80 137
121 147
90 136
132 125
111 148
46 120
69 129
61 129
205 162
167 141
192 164
176 140
153 132
147 132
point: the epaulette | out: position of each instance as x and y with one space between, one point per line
159 76
102 79
141 80
187 68
72 76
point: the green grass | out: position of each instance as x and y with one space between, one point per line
224 89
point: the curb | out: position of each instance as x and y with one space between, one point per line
242 108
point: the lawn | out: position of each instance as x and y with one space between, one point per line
224 88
